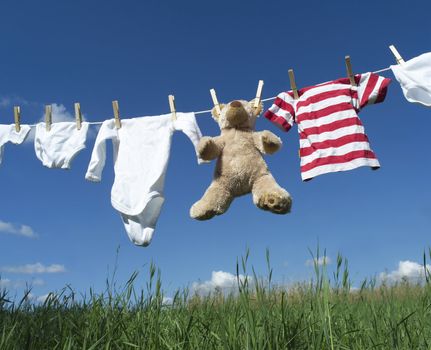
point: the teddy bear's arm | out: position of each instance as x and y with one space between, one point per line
209 148
267 142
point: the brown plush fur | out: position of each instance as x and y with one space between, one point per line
240 167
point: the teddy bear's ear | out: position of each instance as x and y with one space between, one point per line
214 112
256 110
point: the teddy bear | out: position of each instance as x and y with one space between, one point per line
240 167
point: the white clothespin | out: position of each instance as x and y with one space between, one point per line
172 106
48 117
78 115
215 101
349 70
293 84
396 54
258 94
17 117
116 114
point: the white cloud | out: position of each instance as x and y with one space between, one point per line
30 296
60 114
33 268
321 261
9 100
4 282
5 101
7 283
37 282
39 299
42 298
167 301
220 281
409 270
19 230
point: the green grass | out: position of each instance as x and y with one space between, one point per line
321 314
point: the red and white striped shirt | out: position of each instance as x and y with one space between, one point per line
332 137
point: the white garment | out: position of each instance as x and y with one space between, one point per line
141 154
9 134
414 77
59 146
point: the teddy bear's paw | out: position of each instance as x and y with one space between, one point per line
271 147
207 149
199 212
271 143
277 202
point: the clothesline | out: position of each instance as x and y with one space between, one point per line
209 110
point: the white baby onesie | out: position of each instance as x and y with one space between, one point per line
57 147
414 77
141 154
9 134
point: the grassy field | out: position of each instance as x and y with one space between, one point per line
322 314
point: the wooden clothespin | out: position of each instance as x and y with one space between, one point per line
215 101
396 54
78 115
172 106
17 117
293 84
258 94
48 117
350 71
116 114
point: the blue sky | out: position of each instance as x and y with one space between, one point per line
138 52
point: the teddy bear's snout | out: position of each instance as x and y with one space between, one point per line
236 114
236 104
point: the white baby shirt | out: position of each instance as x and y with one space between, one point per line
414 77
57 147
9 134
141 154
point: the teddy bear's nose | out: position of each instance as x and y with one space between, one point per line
236 104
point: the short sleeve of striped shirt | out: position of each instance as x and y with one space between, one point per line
372 89
282 112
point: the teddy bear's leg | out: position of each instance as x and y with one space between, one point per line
215 201
268 195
